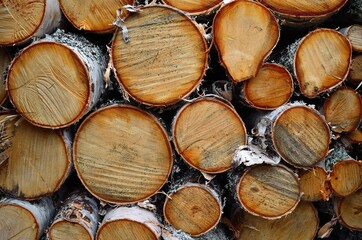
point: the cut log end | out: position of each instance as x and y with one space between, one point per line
195 6
354 35
4 63
165 58
343 110
194 209
91 15
206 134
271 88
269 191
319 74
355 72
314 185
119 148
45 93
301 136
346 177
355 136
350 211
63 230
243 47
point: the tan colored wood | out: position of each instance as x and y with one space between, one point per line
194 6
322 61
36 160
4 63
242 50
301 224
314 185
350 211
269 191
64 230
355 72
355 136
346 177
124 230
92 15
195 209
20 20
206 133
165 58
270 88
354 35
301 136
122 154
343 110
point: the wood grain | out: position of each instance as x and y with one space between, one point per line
355 72
63 230
346 177
314 185
194 6
350 211
4 63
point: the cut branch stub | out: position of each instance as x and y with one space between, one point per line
165 58
343 110
194 6
301 136
122 154
245 33
269 191
354 35
193 208
35 161
49 95
355 72
346 177
129 223
4 63
92 15
271 88
322 61
301 224
314 185
350 211
21 20
206 133
303 12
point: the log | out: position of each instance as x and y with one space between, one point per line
78 218
269 89
194 7
21 219
4 63
355 136
355 72
20 21
193 208
354 35
343 110
35 161
349 211
164 58
93 16
301 224
244 33
129 223
206 132
346 177
46 95
303 13
268 191
122 154
322 61
314 185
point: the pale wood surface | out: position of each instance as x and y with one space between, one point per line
206 133
122 154
4 63
194 6
355 72
301 136
165 58
354 35
314 185
64 230
245 33
269 191
322 61
346 177
350 211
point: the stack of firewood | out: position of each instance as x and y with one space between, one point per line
180 119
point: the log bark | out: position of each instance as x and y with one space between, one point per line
163 60
21 20
93 16
35 161
46 95
78 218
243 48
25 220
194 7
314 185
354 35
206 132
4 64
303 13
343 110
129 223
122 154
355 72
349 211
